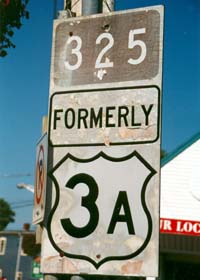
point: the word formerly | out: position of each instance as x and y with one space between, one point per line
111 116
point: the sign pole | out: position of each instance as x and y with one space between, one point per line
90 7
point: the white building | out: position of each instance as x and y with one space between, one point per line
180 213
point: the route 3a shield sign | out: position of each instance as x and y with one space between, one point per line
100 216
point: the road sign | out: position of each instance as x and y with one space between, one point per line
102 208
104 134
99 49
99 117
36 274
40 180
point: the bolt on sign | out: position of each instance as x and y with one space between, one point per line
104 133
40 180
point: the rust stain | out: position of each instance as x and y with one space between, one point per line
132 267
65 245
68 266
60 264
50 258
136 132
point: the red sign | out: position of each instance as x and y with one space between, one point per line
173 226
40 180
40 173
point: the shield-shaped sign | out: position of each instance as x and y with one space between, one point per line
98 212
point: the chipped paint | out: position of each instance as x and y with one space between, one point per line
132 268
137 133
101 73
60 264
107 141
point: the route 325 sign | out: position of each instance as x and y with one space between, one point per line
120 46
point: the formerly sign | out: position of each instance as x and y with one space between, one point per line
105 117
104 137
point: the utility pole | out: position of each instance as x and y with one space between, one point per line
90 7
18 255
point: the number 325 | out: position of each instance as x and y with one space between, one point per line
101 61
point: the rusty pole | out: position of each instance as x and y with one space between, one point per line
90 7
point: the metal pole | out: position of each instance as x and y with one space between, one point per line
54 8
108 6
18 255
90 7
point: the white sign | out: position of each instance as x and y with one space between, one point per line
101 211
99 117
40 180
104 137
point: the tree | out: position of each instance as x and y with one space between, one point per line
11 14
6 214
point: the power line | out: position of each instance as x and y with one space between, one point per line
23 206
15 175
21 202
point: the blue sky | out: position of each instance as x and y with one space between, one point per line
24 86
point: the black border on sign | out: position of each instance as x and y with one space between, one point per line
142 196
111 143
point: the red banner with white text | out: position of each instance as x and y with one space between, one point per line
174 226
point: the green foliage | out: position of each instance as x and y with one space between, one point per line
29 245
11 14
6 214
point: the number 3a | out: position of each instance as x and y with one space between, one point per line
89 202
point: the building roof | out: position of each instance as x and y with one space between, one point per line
180 183
180 149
